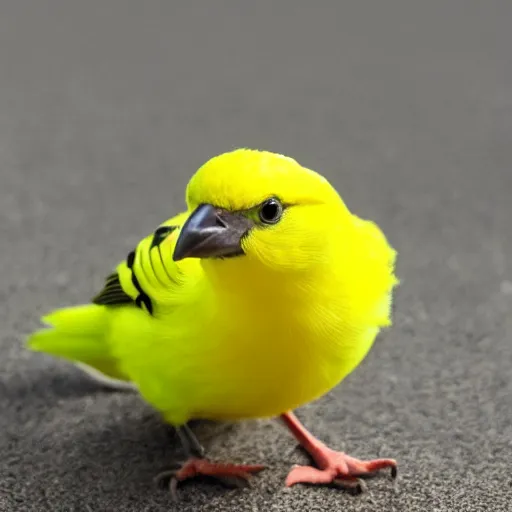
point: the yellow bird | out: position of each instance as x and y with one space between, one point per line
258 299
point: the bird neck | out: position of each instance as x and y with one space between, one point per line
245 280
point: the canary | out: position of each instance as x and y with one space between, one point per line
259 298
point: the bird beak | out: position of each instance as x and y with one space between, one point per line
211 232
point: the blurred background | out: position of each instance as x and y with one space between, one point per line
106 110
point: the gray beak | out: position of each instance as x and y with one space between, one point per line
211 232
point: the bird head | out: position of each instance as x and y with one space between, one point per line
259 209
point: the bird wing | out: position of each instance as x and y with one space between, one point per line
148 274
113 293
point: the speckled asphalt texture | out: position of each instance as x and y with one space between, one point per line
107 108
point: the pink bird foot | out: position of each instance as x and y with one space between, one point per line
232 475
334 468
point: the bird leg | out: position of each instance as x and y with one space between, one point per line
189 442
333 468
231 475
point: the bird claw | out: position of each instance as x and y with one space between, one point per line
339 470
164 476
230 475
168 473
332 467
173 489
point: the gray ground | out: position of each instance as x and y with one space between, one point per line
106 109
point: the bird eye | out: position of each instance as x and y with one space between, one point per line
271 211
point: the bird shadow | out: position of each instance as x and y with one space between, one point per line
122 455
49 385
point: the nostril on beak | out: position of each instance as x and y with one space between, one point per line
219 221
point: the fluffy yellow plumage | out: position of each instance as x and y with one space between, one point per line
261 297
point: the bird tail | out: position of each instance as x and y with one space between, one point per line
78 334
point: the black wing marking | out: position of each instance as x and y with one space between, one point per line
161 234
112 293
142 297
